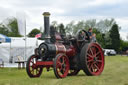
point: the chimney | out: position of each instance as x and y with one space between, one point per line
46 27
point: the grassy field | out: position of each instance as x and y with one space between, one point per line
115 73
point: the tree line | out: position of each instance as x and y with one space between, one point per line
107 31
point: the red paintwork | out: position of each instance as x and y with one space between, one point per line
95 59
62 60
57 36
44 63
33 66
71 51
60 48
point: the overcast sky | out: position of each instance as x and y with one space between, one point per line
66 11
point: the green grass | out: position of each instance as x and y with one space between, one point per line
115 73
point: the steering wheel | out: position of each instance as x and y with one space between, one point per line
82 37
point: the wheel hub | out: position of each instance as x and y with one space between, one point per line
63 65
34 66
95 59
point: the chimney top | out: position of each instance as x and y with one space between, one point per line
47 14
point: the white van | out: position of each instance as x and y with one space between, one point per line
108 52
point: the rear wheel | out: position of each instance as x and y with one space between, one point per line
61 66
32 69
92 59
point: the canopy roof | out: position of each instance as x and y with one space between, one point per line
4 39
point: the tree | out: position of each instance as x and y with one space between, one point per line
13 28
105 25
61 29
34 32
55 25
80 25
3 29
70 27
90 24
115 37
107 40
10 28
123 45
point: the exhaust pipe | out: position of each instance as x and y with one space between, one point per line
46 27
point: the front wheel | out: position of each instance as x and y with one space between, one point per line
92 59
32 69
61 66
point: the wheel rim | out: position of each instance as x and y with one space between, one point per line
62 66
95 59
34 70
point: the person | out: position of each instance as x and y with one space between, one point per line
90 33
93 37
127 52
82 35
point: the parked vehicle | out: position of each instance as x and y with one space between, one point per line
109 52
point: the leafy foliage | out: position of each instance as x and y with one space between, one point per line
61 29
123 45
10 28
3 29
34 32
115 37
13 26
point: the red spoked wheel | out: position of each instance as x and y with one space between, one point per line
32 69
92 59
61 66
73 72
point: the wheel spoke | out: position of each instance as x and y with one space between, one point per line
100 61
89 55
96 67
92 69
89 61
58 70
32 62
98 53
32 71
63 60
36 71
91 65
91 51
59 64
63 70
94 50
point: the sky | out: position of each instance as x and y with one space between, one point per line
65 11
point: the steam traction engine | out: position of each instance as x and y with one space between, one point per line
66 55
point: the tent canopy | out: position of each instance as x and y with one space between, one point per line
4 39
